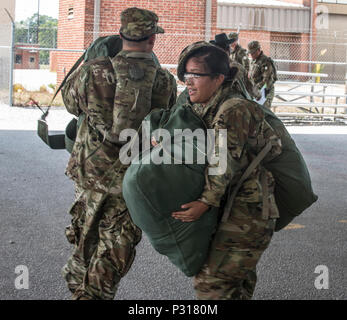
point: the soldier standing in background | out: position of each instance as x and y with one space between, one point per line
262 73
241 82
113 94
238 53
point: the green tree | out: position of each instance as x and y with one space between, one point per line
42 32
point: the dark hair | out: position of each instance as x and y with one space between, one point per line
215 60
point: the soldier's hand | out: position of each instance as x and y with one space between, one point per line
194 210
154 142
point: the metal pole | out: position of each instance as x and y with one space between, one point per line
208 18
11 59
38 21
96 19
12 63
311 33
346 77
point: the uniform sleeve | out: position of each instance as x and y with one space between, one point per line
245 62
70 92
100 96
164 90
267 72
236 124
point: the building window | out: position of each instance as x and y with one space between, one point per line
18 59
70 13
32 59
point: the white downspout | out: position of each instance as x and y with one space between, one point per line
208 19
96 28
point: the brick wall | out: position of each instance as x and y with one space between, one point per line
71 33
183 21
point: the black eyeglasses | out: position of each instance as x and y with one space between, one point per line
192 75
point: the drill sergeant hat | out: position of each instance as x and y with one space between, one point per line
221 40
138 24
253 46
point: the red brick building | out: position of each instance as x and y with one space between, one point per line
272 22
26 59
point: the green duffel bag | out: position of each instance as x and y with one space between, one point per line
153 191
293 191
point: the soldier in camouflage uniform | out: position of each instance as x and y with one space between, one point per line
242 81
230 271
238 53
263 72
111 94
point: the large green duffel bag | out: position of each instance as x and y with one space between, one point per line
153 191
293 191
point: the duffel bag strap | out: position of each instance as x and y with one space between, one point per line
261 155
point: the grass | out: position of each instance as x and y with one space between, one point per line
22 98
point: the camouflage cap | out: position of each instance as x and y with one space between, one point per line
253 46
186 54
233 36
138 24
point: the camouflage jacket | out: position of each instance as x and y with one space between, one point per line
92 89
241 78
240 55
262 72
247 134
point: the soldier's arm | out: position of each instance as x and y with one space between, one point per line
71 91
248 84
267 75
236 120
164 92
100 96
245 62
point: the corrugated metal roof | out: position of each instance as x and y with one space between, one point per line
262 3
269 18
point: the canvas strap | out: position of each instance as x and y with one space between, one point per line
261 155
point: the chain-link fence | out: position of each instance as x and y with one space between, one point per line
38 65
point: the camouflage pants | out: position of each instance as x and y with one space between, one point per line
104 239
230 271
269 98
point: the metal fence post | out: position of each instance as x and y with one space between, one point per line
11 59
12 63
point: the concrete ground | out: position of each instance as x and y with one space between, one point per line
35 196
